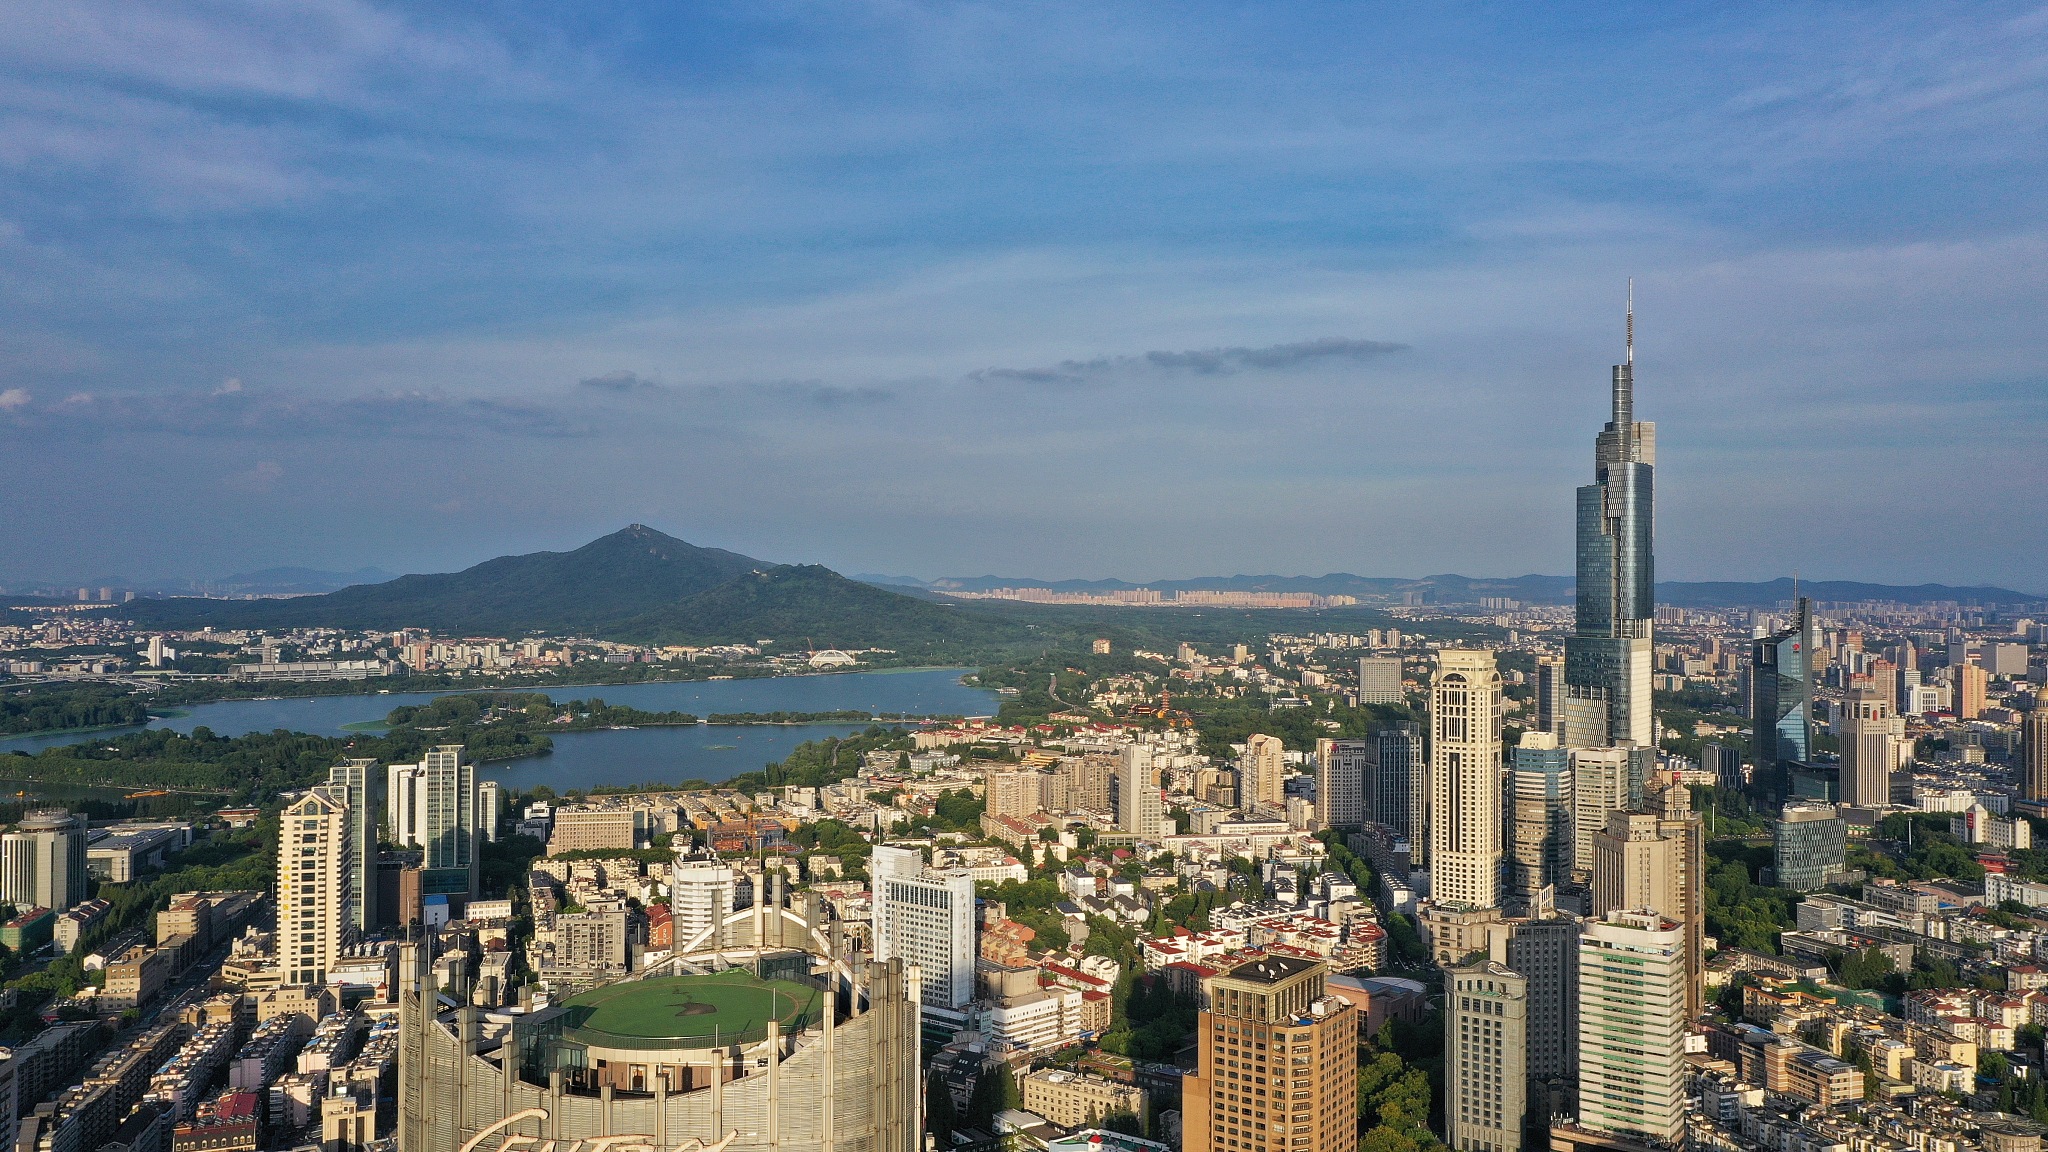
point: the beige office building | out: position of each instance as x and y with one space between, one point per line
315 885
1869 735
1465 780
581 829
1600 785
1656 860
1486 1055
1971 681
1139 807
1074 1100
1262 782
1011 793
2034 748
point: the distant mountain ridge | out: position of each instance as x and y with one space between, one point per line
613 578
1450 588
641 585
637 585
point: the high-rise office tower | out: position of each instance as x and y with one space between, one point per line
1465 780
1781 704
42 862
1486 1057
1810 845
490 808
1341 770
702 896
1260 780
1010 793
1543 948
1644 862
2034 748
1607 657
1540 817
1550 695
1277 1063
1671 801
361 783
1604 780
1971 681
1379 680
1139 807
1398 795
1635 866
927 919
315 884
1869 748
1632 1020
433 807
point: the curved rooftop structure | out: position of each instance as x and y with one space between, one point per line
690 1011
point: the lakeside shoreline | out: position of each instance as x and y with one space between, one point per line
184 708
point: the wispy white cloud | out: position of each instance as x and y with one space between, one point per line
429 244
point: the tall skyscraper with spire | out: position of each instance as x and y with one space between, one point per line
1607 659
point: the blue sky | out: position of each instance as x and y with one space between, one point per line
1048 289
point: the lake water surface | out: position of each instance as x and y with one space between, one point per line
633 756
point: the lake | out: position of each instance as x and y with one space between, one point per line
631 756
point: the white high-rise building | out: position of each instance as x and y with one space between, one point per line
1341 770
1632 996
1139 809
315 885
1465 780
490 808
42 862
927 919
700 898
362 783
1486 1057
401 804
434 808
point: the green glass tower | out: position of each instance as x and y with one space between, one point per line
1607 658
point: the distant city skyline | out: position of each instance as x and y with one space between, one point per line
1283 288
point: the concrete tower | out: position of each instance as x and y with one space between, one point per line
362 781
1632 1025
315 884
42 862
1465 780
1869 745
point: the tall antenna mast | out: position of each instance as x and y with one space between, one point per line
1631 321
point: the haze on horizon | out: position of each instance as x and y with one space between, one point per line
1028 289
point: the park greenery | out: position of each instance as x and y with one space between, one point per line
52 707
490 725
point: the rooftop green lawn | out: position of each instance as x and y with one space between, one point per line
731 1003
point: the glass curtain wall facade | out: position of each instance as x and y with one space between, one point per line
1781 702
1608 658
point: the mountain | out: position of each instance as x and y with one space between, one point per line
818 607
628 573
1765 593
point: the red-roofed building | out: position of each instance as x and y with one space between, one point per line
229 1122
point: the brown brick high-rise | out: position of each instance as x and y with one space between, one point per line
1278 1070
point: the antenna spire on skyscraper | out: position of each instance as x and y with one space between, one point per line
1631 323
